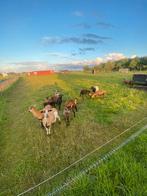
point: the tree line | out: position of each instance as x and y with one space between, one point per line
137 63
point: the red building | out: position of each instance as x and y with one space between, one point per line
39 73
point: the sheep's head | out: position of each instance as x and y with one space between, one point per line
66 111
31 108
46 110
46 99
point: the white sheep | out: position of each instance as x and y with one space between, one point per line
50 117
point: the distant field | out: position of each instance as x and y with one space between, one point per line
28 156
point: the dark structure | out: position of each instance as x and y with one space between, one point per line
140 79
93 71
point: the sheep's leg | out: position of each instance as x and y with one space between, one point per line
73 112
41 123
76 108
59 106
48 130
67 121
58 117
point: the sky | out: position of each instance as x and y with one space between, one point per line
67 34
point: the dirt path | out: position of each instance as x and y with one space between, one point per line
5 84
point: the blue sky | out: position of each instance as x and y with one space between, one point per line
37 34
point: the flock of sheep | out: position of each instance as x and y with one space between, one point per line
49 114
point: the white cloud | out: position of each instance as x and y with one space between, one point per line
68 63
133 56
24 66
78 13
99 60
58 54
114 56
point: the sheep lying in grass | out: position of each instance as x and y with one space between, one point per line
50 117
97 94
128 82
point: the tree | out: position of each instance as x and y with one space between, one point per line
86 68
134 63
109 66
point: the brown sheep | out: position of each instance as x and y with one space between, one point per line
72 105
97 94
37 114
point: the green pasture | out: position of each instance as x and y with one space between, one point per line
28 156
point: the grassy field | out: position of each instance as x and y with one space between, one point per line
28 156
125 173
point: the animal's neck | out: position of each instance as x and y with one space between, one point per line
35 112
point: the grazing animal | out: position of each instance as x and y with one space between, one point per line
67 114
94 89
37 114
84 92
98 93
50 117
128 82
54 101
71 105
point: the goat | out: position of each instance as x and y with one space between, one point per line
50 117
97 93
71 105
84 92
128 82
53 101
94 89
37 114
66 114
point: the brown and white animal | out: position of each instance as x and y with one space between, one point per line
67 115
50 117
71 105
94 89
37 113
97 94
55 100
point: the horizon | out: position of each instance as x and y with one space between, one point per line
45 34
